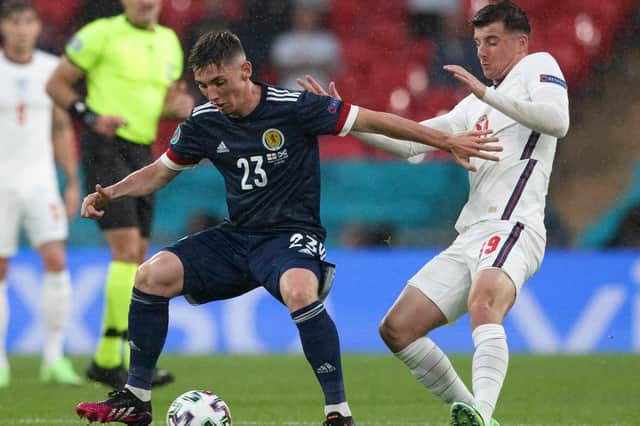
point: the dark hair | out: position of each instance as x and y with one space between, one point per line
8 7
514 18
215 48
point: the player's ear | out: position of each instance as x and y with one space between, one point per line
246 70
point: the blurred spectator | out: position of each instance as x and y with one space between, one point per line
263 21
426 16
308 48
94 9
214 20
367 235
454 46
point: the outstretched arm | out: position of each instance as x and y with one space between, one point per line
546 114
142 182
394 134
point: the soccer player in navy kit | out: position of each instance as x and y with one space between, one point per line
263 141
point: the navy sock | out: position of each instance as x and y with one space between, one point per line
321 346
148 324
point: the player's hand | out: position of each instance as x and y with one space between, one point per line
108 124
178 101
311 85
473 144
465 77
94 203
71 198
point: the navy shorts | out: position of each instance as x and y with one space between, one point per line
222 262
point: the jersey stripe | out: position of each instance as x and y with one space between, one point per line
534 137
281 95
203 111
172 161
273 90
347 117
508 245
519 189
203 106
269 98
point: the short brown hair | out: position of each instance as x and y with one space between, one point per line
7 7
514 18
215 48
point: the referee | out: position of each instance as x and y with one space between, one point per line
131 66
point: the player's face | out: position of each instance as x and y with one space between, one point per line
499 50
142 13
227 87
20 30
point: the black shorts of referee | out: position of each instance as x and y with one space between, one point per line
106 160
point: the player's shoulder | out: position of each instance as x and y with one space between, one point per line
46 58
204 113
166 32
539 59
275 95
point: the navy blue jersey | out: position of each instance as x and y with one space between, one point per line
269 159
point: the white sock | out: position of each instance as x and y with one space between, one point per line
490 363
342 408
4 322
431 367
142 394
55 308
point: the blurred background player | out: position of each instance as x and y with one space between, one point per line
33 129
501 229
131 66
265 145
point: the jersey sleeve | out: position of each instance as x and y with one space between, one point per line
86 46
322 115
544 76
185 149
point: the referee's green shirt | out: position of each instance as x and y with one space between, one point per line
128 71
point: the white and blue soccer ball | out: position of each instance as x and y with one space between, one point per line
198 408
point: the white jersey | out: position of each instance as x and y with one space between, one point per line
515 187
26 152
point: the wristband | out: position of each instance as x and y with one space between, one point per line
81 112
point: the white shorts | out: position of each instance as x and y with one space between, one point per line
447 278
39 209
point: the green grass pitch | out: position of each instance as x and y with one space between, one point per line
277 390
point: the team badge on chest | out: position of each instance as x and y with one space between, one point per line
273 139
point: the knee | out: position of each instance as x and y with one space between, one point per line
298 296
481 310
4 266
146 280
393 334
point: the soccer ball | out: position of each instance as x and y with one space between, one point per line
198 408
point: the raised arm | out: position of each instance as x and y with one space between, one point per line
142 182
547 112
60 88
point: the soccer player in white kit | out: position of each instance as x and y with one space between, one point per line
501 229
29 123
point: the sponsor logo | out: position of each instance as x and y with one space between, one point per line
273 139
546 78
482 123
222 148
277 157
325 368
75 44
176 136
333 106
